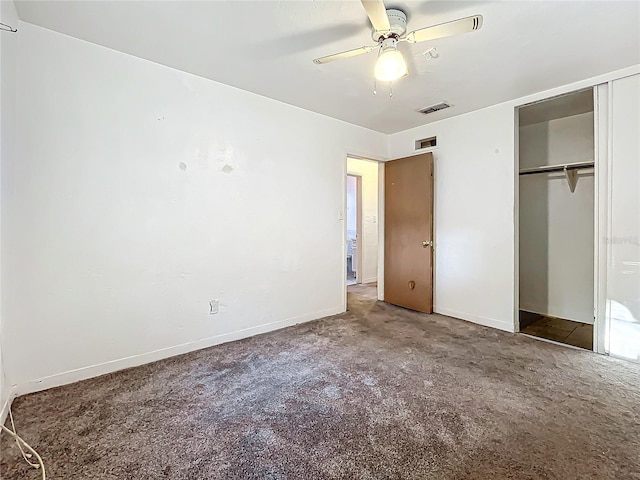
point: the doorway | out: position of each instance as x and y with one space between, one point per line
393 256
354 228
556 219
361 228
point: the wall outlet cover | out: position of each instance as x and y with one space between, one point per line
214 306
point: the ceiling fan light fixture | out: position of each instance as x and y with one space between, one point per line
390 65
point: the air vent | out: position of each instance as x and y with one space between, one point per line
426 143
434 108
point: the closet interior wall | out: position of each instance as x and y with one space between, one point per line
557 225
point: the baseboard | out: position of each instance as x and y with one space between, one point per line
4 411
487 322
370 280
85 373
535 310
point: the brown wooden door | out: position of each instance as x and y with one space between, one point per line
408 232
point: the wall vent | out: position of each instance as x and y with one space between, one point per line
426 143
434 108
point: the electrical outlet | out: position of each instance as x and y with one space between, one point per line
213 307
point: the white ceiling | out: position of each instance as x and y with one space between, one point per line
267 47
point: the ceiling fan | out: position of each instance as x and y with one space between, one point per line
389 28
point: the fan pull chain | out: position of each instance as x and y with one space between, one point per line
374 87
390 89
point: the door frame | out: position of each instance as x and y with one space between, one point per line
602 204
342 217
381 192
600 211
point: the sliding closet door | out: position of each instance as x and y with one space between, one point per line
623 276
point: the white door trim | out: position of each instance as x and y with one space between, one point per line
600 214
602 204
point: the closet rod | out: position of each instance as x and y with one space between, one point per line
557 168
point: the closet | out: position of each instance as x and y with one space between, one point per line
556 219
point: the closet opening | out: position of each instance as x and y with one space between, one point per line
556 223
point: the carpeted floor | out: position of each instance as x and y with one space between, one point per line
377 393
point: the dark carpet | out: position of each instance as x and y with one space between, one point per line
377 393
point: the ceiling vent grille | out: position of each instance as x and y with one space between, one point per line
434 108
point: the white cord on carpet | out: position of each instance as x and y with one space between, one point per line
26 456
21 442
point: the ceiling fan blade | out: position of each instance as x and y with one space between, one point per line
463 25
347 54
377 13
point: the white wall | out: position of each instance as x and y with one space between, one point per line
473 217
141 193
368 170
8 66
475 209
557 226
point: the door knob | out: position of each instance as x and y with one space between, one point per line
426 244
